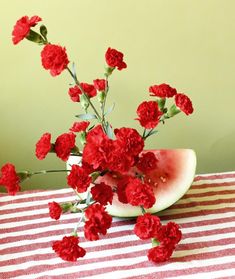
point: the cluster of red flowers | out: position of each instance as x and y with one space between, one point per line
118 152
166 236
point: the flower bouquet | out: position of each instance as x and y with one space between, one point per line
112 174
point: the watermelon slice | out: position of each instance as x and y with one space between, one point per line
172 178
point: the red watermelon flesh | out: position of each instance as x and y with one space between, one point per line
171 179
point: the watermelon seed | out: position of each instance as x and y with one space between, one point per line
163 179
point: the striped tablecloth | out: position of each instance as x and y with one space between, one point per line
206 215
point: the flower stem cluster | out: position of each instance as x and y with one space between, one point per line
106 152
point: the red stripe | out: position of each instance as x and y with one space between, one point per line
214 176
206 185
201 213
181 272
23 209
38 198
202 203
208 194
208 222
39 268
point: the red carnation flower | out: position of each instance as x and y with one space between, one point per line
163 91
147 162
79 126
54 58
22 28
100 84
68 248
140 194
160 253
133 143
97 149
117 159
114 59
149 114
10 179
102 193
43 146
147 226
98 222
184 103
89 89
64 144
169 234
74 93
78 179
121 188
54 210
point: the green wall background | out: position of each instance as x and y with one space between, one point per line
189 44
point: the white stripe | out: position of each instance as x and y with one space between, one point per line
104 241
180 266
210 274
59 226
33 203
203 218
56 260
208 198
41 193
210 189
196 208
213 181
215 173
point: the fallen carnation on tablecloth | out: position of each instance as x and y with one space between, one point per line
106 152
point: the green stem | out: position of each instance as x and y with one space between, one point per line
48 171
83 92
143 210
148 134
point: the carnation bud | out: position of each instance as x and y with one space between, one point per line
84 101
108 71
155 242
35 37
82 137
173 111
161 103
23 175
101 96
66 206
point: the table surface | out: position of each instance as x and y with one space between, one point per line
206 215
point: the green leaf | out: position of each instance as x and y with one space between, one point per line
152 132
109 131
74 70
43 31
35 37
86 116
110 109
